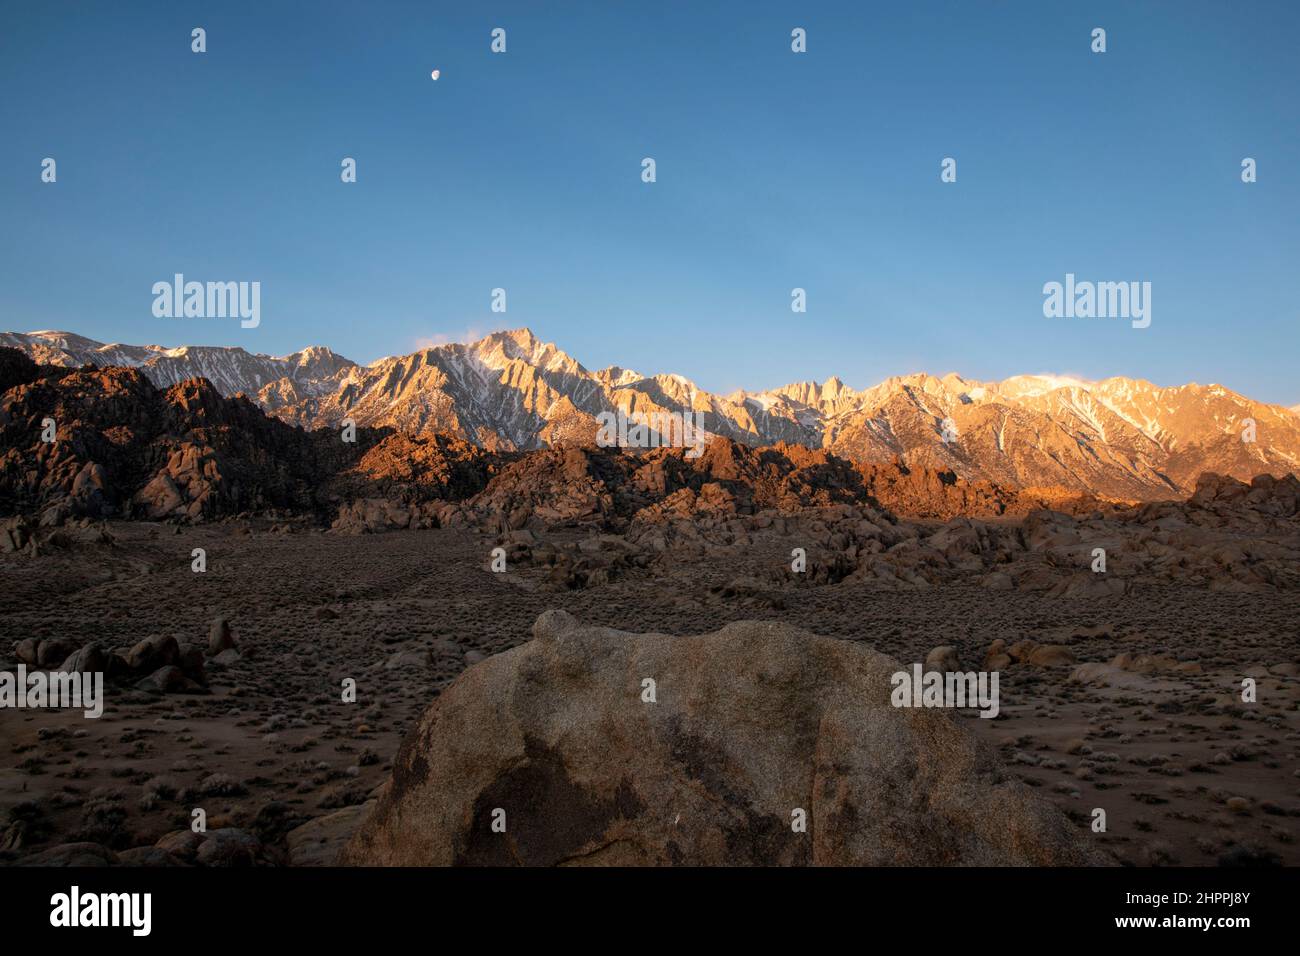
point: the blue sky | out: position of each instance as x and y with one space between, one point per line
775 171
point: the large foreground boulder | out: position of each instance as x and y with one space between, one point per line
557 742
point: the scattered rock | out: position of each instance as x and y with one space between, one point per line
319 842
169 680
153 653
943 659
220 637
91 659
230 847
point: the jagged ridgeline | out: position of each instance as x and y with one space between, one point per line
123 448
509 391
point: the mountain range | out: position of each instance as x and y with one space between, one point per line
1118 437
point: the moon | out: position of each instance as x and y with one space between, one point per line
435 74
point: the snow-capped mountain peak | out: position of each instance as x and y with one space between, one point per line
510 389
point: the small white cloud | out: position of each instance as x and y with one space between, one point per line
471 334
